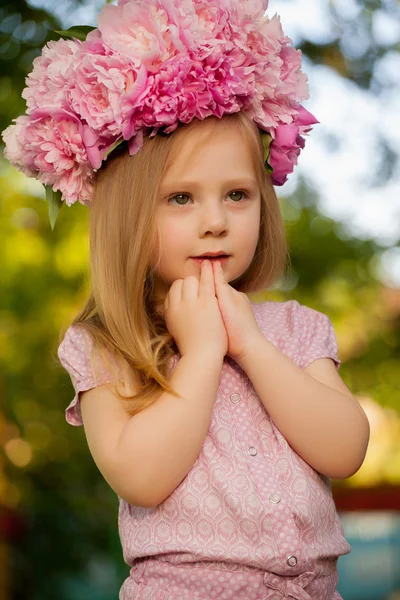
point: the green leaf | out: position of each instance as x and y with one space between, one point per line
266 139
111 148
76 31
55 204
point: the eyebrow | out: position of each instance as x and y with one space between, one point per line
238 181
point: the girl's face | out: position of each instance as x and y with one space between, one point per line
212 204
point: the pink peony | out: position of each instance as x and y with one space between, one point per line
279 83
54 152
293 82
15 152
286 146
102 81
184 90
151 65
212 25
144 30
51 75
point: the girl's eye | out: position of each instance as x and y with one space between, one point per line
177 196
239 192
183 195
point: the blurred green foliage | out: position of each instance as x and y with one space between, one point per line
70 548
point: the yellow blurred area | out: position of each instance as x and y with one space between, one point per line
23 248
72 256
382 461
19 452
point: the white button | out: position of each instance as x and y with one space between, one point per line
252 451
292 561
275 498
235 398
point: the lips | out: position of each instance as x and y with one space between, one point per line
212 255
222 259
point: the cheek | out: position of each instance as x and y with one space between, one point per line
171 230
250 229
175 244
175 241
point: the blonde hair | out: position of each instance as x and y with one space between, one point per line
120 313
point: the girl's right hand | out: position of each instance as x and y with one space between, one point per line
192 314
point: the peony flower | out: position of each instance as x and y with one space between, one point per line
151 65
143 30
51 75
293 82
102 80
279 83
212 23
54 152
13 138
286 146
183 90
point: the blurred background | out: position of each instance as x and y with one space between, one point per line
58 517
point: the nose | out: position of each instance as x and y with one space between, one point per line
214 218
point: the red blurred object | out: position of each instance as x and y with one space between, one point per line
385 497
12 524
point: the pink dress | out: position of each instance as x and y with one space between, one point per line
251 520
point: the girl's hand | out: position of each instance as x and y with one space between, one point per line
192 314
238 316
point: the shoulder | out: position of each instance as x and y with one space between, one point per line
74 351
274 314
75 338
300 331
86 372
289 313
291 320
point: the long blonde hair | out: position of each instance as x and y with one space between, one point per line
120 313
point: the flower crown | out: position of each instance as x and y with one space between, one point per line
151 65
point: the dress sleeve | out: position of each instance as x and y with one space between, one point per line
74 354
318 339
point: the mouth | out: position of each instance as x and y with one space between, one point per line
222 258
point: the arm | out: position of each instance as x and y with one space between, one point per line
145 457
325 426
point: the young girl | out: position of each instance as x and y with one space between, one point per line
217 421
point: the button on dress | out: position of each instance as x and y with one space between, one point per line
251 520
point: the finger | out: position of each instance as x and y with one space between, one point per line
175 291
219 273
207 286
190 288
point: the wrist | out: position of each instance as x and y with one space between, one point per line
252 350
204 355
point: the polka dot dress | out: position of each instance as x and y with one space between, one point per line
251 520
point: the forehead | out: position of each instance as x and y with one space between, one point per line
218 151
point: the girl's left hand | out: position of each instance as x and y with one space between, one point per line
238 316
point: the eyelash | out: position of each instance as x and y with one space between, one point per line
184 194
